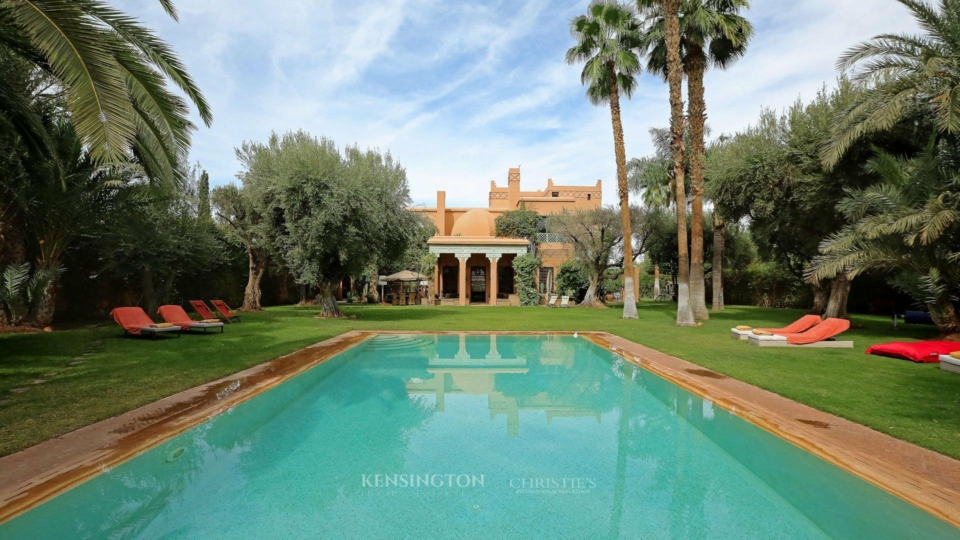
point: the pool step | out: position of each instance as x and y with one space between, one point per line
398 343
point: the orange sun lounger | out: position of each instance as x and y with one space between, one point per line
800 325
136 322
225 311
201 308
820 335
176 315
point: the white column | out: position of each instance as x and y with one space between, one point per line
464 281
493 258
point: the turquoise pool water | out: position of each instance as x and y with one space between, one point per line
476 437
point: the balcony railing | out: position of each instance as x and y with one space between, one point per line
544 238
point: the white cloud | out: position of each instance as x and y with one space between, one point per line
460 92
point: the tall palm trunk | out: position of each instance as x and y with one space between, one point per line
719 230
675 78
629 301
697 112
48 305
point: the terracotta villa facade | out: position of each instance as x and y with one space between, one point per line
473 265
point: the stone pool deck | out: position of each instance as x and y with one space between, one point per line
921 477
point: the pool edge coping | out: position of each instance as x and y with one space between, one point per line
110 442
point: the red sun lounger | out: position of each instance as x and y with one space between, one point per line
202 310
136 322
820 335
800 325
225 311
176 315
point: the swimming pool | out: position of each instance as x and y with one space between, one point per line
465 436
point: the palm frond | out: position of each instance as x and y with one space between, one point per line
159 53
96 92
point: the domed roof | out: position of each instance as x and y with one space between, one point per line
476 222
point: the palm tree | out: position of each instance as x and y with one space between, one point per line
113 73
651 177
903 75
907 224
608 38
713 34
55 198
675 79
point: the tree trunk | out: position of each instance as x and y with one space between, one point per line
821 295
149 295
719 230
330 308
839 293
697 118
251 295
675 77
946 318
48 305
590 299
629 301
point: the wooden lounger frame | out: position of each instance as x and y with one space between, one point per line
827 344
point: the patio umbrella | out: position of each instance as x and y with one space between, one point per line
406 275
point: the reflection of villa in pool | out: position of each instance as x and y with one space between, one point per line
477 370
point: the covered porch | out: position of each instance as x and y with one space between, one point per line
475 271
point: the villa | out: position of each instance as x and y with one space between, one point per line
473 265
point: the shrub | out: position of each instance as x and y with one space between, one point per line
572 279
525 270
22 294
646 285
519 223
612 284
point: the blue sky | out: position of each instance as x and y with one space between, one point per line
461 91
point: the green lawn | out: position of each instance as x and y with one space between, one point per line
918 403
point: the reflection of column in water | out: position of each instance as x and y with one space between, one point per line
493 347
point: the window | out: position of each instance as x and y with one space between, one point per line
555 194
546 280
589 195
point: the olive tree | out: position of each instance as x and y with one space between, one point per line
594 235
235 209
328 214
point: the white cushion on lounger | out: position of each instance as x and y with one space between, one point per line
152 330
768 338
206 325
